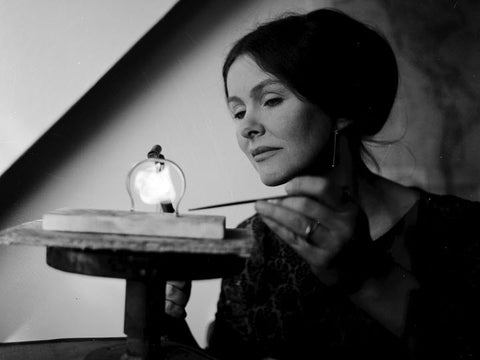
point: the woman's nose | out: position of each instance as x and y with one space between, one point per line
251 127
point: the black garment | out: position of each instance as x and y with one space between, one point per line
277 308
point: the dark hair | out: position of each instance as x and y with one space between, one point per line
331 60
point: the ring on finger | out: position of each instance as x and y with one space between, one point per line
310 229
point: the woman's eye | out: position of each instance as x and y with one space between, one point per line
273 102
239 115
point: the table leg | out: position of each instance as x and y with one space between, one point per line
144 318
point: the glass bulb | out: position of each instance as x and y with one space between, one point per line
155 184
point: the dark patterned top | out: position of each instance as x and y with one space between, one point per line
277 308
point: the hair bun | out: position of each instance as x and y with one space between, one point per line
359 69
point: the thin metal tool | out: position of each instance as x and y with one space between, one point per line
238 202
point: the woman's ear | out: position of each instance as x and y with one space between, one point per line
342 123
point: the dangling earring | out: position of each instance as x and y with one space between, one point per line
334 157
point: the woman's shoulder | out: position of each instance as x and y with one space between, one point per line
449 223
449 207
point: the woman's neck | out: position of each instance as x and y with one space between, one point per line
385 202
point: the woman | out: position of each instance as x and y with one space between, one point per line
350 264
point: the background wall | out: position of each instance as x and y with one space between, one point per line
437 112
52 52
168 90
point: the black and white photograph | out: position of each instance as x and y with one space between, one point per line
239 180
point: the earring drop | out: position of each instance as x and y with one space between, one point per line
335 133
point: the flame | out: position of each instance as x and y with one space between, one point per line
154 186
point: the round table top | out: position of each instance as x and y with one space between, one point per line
134 257
58 349
88 349
144 265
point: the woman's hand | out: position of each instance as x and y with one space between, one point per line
177 294
316 221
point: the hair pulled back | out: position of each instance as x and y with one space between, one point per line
329 59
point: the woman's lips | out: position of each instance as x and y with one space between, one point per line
263 152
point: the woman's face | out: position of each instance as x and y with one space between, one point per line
281 135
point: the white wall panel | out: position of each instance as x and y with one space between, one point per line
52 52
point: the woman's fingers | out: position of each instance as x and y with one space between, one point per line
317 219
175 310
178 291
177 294
315 256
289 219
312 214
312 210
287 235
